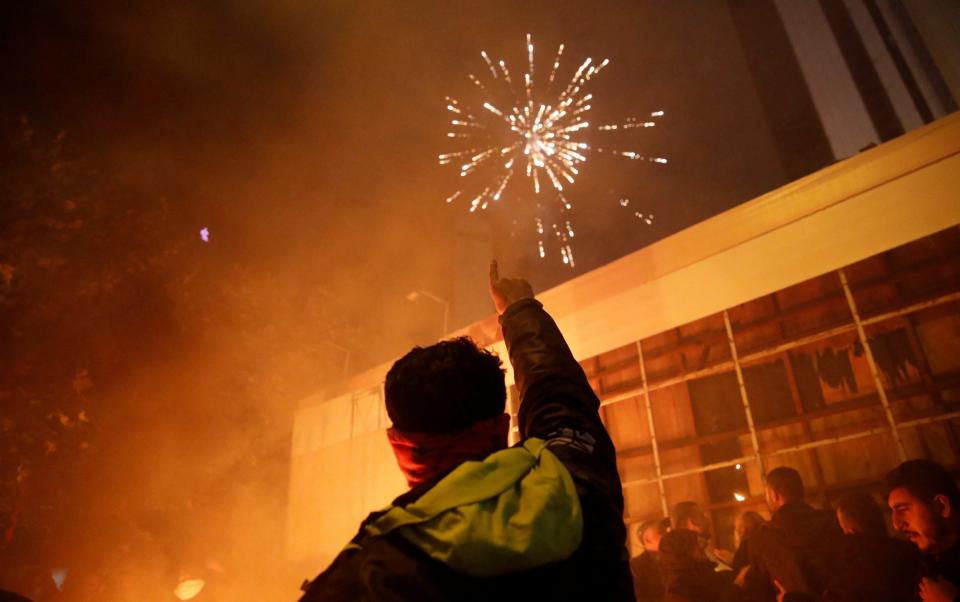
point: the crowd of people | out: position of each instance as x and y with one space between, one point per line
805 554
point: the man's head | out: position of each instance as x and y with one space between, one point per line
445 387
745 524
689 515
858 513
649 533
925 502
783 486
681 549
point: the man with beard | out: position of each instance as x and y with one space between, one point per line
925 502
871 565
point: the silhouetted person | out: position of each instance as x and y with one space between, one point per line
689 515
746 524
648 583
796 548
538 521
871 566
926 508
690 575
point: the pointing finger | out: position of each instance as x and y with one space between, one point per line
494 273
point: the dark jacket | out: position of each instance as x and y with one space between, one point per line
559 421
947 565
741 557
699 583
648 583
797 547
875 569
689 575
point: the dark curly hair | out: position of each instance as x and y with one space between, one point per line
924 479
445 387
787 482
863 513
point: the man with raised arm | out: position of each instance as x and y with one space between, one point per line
483 521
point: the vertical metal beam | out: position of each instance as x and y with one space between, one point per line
926 373
514 409
821 483
743 394
382 408
353 411
654 445
873 366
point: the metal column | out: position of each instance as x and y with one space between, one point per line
873 366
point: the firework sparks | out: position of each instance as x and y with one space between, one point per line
531 140
646 218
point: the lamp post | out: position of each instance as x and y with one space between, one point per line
346 357
414 295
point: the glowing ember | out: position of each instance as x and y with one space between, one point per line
739 496
205 235
188 589
531 132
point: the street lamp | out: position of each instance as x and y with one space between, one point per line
414 295
346 357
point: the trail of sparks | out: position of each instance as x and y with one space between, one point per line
531 135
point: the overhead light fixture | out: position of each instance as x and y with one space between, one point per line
416 294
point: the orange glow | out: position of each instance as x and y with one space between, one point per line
188 589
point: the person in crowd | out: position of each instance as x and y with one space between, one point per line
689 574
690 515
925 502
648 584
745 525
870 564
542 520
794 552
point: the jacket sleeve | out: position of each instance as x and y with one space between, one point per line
558 406
772 558
555 395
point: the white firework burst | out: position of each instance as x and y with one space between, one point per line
533 137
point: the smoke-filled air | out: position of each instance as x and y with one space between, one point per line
214 214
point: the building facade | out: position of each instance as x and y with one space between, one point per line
817 326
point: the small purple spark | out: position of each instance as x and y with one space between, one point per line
205 235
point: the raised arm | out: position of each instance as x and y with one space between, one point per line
558 406
542 362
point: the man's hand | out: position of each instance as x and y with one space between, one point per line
741 579
937 590
781 592
724 556
507 291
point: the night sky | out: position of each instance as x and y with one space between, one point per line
307 133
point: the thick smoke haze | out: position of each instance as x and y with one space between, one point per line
149 377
